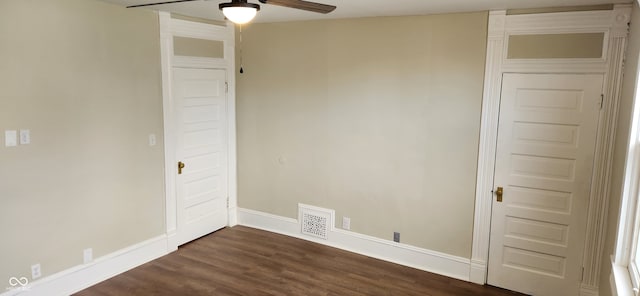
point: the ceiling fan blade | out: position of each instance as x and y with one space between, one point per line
160 3
304 5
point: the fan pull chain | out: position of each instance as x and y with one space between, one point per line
241 68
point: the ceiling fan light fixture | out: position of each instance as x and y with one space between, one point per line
239 11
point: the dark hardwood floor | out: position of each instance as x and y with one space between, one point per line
246 261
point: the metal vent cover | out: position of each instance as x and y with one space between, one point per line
315 221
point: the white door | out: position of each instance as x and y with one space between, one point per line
200 109
546 140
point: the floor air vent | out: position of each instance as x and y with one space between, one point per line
315 221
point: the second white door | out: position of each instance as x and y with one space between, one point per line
546 141
200 102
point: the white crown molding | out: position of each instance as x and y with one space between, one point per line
613 24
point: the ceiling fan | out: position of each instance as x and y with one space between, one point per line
241 11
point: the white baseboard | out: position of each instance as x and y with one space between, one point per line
83 276
423 259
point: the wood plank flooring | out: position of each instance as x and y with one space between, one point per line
246 261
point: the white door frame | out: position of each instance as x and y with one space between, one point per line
614 25
170 27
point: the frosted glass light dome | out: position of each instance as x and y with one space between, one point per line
239 11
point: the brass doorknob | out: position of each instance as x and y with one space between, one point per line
180 167
499 194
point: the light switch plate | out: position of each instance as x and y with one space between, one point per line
11 138
25 137
152 139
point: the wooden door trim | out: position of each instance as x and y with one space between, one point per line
169 28
614 23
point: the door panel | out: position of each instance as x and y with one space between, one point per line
546 140
200 106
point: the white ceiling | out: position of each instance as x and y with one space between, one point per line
208 9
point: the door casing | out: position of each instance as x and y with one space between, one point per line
170 27
614 24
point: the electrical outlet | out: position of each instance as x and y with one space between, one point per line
346 223
396 237
87 255
36 272
152 139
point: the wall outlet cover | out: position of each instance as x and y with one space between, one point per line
346 223
396 237
87 255
36 272
25 137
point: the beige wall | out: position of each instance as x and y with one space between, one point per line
377 118
622 140
84 77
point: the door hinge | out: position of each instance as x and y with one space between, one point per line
582 275
226 87
601 101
